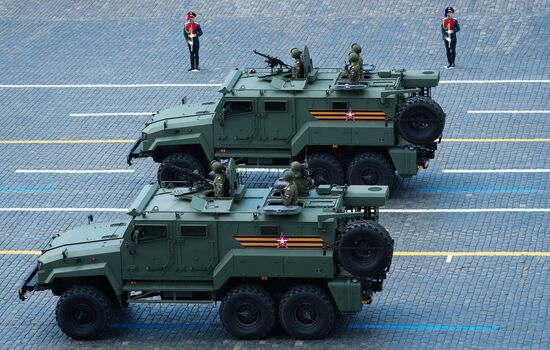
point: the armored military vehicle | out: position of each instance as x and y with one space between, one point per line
358 133
299 264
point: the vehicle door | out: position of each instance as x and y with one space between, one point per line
197 248
237 123
148 251
278 123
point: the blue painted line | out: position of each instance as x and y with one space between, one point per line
28 189
431 328
478 189
160 326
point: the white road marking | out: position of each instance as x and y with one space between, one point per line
108 114
401 211
468 210
58 171
489 171
449 258
505 81
510 112
66 209
98 86
260 170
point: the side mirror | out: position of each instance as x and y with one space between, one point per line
135 236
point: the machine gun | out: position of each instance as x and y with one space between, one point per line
191 176
272 62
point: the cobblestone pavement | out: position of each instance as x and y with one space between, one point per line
428 302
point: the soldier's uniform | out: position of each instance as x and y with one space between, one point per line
449 28
290 192
303 184
354 71
219 179
298 66
357 49
191 31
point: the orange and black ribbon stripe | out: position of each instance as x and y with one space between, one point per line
343 115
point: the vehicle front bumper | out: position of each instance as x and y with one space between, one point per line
134 152
30 284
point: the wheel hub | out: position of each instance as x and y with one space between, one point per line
83 314
364 251
306 314
247 314
321 176
370 177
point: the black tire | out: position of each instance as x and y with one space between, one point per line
370 168
365 249
420 120
326 169
307 312
84 313
168 172
248 312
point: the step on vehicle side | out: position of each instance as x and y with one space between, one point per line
359 133
299 265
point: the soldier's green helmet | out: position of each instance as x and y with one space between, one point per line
353 57
356 48
288 176
295 166
216 166
295 53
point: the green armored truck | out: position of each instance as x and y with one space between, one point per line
300 264
358 132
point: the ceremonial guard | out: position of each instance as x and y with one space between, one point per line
298 66
303 183
219 179
192 31
449 28
290 192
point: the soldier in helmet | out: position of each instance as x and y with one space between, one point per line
354 71
219 179
298 66
303 183
290 192
357 49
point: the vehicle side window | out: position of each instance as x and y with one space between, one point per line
269 230
275 106
237 107
339 105
148 233
194 230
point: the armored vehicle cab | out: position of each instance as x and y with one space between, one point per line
299 264
358 133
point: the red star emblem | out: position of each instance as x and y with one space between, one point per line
350 115
282 241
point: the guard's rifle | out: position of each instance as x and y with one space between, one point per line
273 62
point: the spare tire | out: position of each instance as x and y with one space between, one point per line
365 249
420 120
177 170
